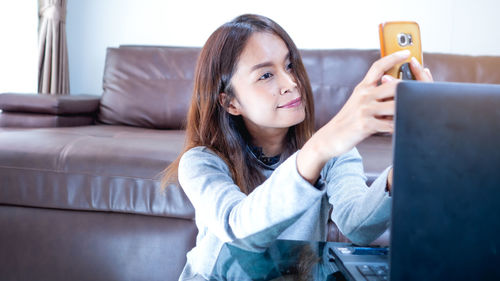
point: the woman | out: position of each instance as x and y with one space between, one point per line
253 167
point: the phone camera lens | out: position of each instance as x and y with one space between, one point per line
402 40
405 39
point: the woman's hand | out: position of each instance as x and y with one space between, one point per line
368 110
421 73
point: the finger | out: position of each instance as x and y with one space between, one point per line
379 67
385 91
383 126
418 70
429 74
385 109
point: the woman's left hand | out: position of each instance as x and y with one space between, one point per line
421 74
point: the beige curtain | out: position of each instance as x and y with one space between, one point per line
53 72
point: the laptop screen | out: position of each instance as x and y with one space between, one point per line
446 189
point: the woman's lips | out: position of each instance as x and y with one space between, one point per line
292 103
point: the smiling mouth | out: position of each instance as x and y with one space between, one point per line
292 103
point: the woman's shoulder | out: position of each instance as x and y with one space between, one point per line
200 156
198 150
199 153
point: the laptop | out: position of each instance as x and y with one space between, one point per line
446 189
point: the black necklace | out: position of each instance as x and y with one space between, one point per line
269 161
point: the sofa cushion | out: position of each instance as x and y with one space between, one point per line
110 168
103 168
147 87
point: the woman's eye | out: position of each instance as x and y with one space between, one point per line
289 66
266 76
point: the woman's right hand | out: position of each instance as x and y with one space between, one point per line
370 109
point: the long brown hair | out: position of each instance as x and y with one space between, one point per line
208 122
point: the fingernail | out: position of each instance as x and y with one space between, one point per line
387 78
415 61
403 53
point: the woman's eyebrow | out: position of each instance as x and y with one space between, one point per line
267 63
261 65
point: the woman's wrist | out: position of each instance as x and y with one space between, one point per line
310 161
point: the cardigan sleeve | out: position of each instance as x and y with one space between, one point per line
250 221
361 213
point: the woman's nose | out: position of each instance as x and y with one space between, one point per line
287 82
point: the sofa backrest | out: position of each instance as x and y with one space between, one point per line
151 87
147 87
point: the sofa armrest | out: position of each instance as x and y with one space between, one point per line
43 110
49 104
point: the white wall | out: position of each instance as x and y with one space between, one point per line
462 27
18 46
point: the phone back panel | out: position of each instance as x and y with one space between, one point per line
390 36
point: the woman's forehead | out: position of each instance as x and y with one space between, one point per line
262 48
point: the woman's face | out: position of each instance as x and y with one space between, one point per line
266 92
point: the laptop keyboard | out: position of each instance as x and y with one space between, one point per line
374 272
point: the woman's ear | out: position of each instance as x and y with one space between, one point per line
234 106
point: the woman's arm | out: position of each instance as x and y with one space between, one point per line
361 213
251 221
370 109
359 118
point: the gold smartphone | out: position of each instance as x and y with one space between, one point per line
401 35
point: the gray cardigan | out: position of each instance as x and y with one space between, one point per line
285 206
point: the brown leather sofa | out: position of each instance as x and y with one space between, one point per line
80 195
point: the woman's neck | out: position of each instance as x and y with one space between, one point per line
271 140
